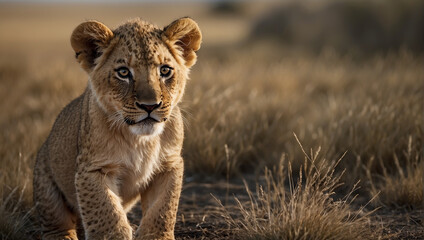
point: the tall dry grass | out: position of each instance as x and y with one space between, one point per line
254 103
16 220
404 188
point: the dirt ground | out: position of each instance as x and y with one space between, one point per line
200 215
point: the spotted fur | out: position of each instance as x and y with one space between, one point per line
121 140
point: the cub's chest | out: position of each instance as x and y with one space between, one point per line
135 166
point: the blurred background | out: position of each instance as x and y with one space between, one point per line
359 26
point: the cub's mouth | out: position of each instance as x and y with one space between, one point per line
147 120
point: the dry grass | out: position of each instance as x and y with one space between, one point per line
302 209
15 221
403 189
252 106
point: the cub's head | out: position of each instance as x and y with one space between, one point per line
137 72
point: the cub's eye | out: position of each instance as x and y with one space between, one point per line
123 72
165 71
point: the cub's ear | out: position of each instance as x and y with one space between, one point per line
89 39
183 35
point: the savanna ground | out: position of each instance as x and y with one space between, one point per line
283 140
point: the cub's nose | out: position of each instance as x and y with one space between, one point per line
148 107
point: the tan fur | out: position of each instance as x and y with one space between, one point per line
101 156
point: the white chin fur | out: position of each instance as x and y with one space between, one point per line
147 129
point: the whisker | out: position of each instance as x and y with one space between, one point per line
115 119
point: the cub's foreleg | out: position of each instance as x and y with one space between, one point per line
101 211
159 203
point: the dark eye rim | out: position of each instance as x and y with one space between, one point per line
170 72
128 76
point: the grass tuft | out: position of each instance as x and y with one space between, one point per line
304 209
15 220
403 188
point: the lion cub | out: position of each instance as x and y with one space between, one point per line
121 140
